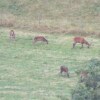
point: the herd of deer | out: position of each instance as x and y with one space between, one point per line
63 69
76 40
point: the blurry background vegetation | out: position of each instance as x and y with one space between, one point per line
52 16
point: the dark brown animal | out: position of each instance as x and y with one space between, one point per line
81 41
12 35
64 69
40 38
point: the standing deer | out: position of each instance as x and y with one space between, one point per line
81 41
12 35
64 69
40 38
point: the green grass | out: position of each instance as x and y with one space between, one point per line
31 72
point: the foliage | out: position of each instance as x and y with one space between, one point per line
81 93
90 85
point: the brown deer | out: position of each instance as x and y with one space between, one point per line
64 69
12 35
83 75
40 38
81 41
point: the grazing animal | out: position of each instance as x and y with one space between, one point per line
40 38
81 41
83 75
64 69
12 35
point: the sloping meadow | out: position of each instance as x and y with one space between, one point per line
31 72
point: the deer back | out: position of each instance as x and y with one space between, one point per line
79 40
63 69
40 38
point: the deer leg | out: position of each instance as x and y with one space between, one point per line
81 79
67 74
34 41
74 44
88 46
47 42
13 37
82 45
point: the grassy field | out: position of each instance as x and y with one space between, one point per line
51 15
31 72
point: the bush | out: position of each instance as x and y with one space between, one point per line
88 89
81 93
